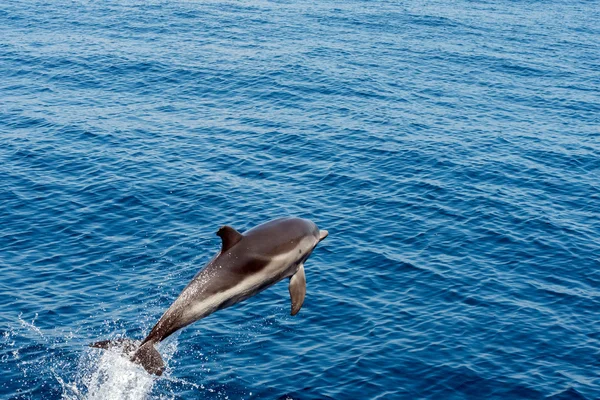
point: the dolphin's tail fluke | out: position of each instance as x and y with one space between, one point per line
127 346
148 357
145 355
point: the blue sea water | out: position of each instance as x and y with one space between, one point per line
452 150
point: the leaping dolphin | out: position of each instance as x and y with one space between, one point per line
246 265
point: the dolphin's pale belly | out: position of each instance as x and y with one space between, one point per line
280 267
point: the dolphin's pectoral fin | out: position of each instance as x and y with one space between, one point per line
297 289
229 237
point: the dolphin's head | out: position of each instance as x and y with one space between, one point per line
317 235
311 238
323 234
310 229
292 238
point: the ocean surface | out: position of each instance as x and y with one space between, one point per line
451 149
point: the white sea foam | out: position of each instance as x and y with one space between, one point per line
118 378
96 374
107 375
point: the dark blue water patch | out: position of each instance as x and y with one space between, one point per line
569 393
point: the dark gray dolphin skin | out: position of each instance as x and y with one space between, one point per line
246 265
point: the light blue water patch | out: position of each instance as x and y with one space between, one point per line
452 151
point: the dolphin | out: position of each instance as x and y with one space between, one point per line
247 264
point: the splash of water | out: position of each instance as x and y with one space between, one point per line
115 377
107 374
99 374
30 325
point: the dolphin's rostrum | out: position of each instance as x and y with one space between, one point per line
246 265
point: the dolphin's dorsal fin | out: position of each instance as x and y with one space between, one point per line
229 237
297 290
